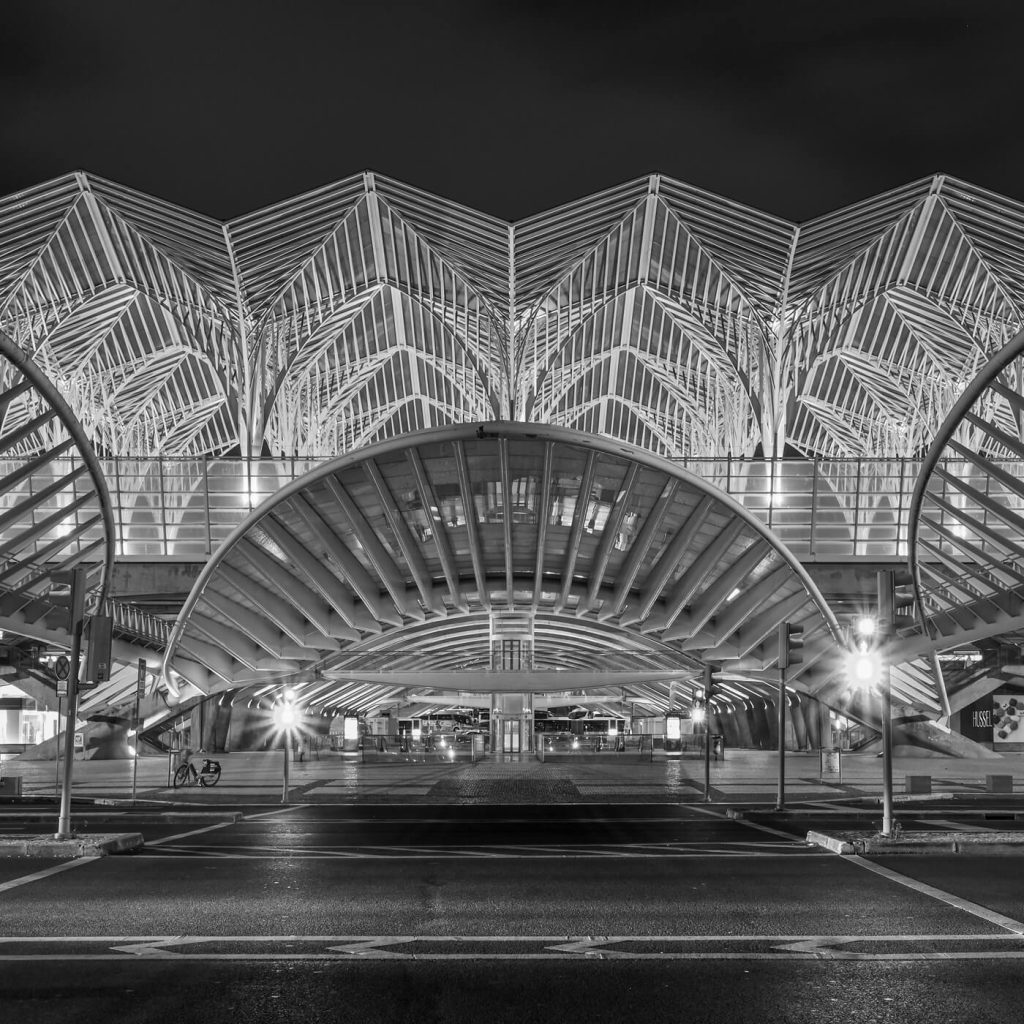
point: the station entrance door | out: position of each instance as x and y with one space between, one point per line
511 735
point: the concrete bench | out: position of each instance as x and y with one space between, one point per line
998 783
918 784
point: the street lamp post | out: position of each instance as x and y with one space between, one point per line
871 664
284 715
885 681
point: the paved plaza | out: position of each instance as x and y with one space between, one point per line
744 776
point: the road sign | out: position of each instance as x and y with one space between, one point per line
62 667
141 685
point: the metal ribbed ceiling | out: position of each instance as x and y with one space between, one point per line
407 566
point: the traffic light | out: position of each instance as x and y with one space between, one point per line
791 644
97 662
68 591
895 600
711 674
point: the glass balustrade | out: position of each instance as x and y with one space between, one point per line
824 510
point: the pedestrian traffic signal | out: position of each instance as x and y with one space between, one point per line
791 644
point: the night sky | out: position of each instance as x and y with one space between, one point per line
797 107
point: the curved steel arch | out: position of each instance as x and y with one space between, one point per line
42 531
966 532
405 560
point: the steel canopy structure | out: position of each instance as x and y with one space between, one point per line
48 475
653 312
499 557
967 515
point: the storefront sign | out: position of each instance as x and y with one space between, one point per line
1007 712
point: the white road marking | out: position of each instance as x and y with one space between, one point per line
46 872
186 835
554 947
1001 920
750 824
278 810
494 851
955 826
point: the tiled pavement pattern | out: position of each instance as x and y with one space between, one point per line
507 782
746 776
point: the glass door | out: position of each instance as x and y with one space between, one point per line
510 735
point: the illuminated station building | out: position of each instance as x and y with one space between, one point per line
423 466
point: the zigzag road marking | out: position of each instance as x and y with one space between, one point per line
518 947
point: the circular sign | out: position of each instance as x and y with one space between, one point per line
62 667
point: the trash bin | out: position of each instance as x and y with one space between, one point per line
10 785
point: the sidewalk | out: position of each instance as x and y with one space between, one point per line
744 783
744 777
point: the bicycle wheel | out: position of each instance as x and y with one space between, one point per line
181 776
210 778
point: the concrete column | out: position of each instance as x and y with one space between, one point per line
796 714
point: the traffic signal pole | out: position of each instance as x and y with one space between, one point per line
780 799
790 642
77 626
887 625
708 680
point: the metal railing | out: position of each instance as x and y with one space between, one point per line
824 510
402 748
546 744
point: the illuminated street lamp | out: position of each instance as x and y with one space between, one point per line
285 718
868 665
863 669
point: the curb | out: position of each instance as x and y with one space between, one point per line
144 816
840 846
77 846
1003 845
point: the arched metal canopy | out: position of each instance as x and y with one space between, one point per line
55 511
505 556
966 535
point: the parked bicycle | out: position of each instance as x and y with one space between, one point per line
187 774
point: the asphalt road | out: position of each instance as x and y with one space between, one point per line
506 914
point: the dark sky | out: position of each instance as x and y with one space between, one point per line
513 106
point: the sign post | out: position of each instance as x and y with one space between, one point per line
61 669
140 688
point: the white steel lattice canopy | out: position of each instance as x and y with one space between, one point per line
55 512
967 519
405 565
653 312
